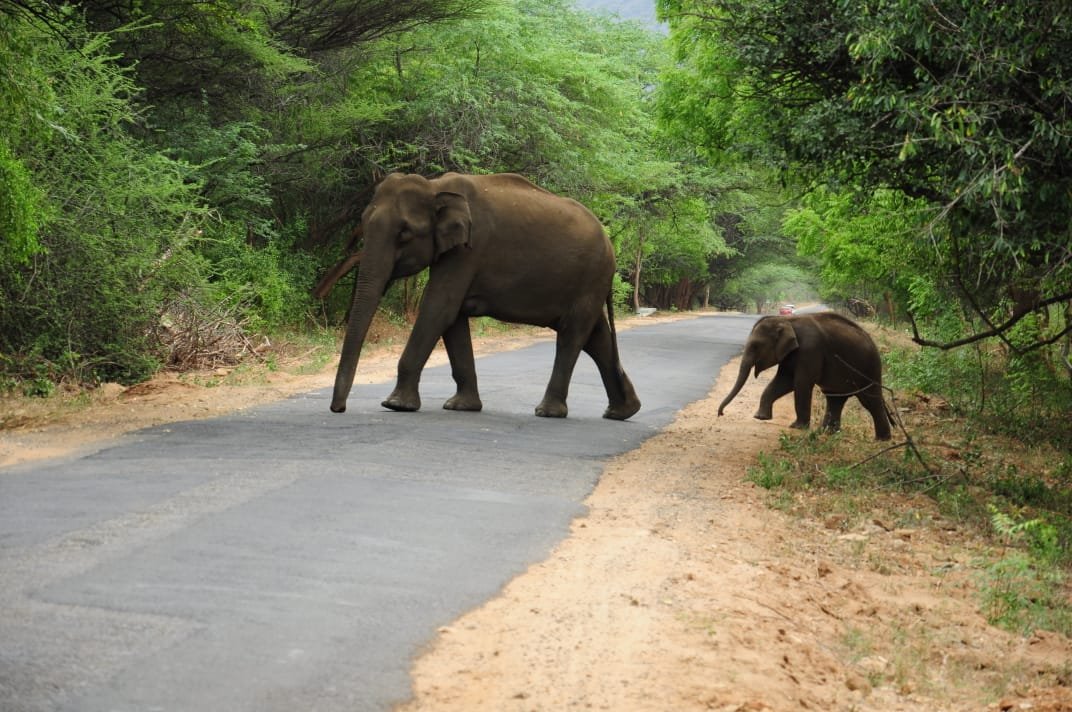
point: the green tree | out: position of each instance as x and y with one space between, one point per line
866 250
963 105
109 221
558 95
769 282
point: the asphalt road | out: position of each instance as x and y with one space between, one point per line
287 558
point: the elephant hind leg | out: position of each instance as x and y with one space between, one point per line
875 404
459 344
622 398
629 404
567 349
834 406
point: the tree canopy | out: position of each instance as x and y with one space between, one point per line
962 108
203 163
173 167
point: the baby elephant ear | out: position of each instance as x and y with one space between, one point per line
785 341
453 222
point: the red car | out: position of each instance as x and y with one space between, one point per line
786 309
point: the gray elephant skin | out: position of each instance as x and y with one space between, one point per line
498 246
823 349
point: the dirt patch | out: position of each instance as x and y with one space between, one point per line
682 589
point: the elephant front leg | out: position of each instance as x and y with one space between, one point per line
459 343
406 396
780 385
802 392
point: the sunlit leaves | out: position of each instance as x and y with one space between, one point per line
110 217
966 105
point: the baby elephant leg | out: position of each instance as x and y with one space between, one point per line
876 405
781 384
802 401
834 406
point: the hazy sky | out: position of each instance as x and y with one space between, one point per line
643 10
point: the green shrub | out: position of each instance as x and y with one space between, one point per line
84 303
770 473
1025 588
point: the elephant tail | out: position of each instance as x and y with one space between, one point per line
623 399
613 332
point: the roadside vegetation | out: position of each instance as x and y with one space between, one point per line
973 451
176 177
930 147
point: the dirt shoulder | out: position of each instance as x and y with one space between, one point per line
33 429
682 588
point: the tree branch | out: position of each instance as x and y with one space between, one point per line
998 331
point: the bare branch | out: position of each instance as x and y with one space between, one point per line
997 331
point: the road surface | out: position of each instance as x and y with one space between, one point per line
286 558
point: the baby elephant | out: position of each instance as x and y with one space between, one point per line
824 349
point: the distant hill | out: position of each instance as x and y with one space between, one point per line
642 10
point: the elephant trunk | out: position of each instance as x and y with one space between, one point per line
372 280
742 376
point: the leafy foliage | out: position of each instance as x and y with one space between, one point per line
962 107
184 163
110 220
864 247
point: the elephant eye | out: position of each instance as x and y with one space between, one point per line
405 234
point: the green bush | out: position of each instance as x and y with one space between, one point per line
270 284
21 209
1022 395
1024 589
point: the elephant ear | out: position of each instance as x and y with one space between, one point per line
453 222
785 341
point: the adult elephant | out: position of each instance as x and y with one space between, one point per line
497 246
823 349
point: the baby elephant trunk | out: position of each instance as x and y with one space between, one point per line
742 376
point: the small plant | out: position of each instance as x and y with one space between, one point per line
1039 536
857 643
39 387
843 477
770 473
1025 588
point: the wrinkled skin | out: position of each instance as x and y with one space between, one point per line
825 350
495 246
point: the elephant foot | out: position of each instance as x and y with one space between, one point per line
401 404
459 402
550 409
622 412
799 425
762 416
